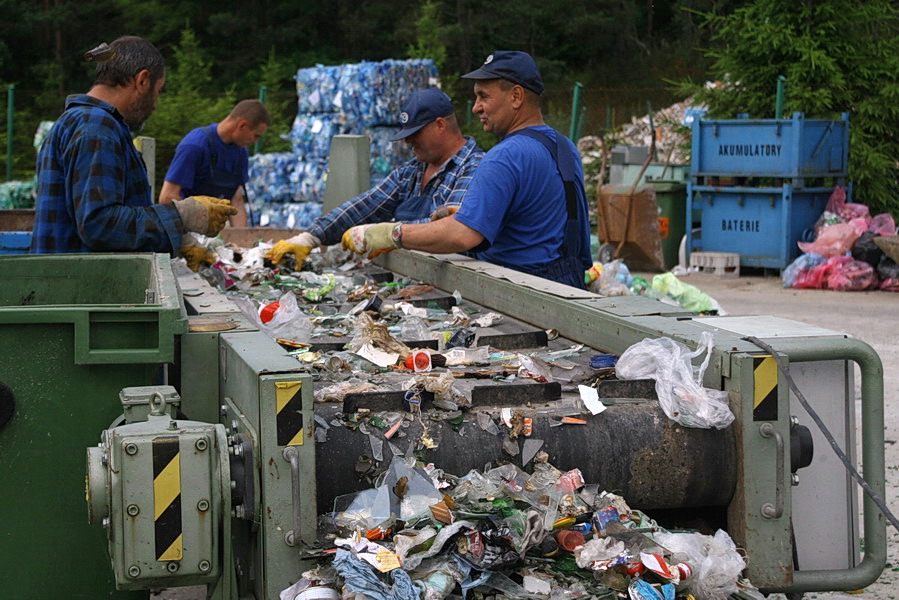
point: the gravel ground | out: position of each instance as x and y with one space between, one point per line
869 316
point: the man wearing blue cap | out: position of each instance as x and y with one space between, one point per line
433 182
526 208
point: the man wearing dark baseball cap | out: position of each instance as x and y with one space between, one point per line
526 208
515 67
434 181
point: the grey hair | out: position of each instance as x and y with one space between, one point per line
130 55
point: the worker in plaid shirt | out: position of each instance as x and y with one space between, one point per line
93 194
429 186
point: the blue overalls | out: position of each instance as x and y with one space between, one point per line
419 205
219 183
570 266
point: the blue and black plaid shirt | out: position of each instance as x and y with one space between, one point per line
92 189
402 185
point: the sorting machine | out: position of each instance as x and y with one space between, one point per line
204 466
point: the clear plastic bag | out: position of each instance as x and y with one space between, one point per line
614 280
678 382
287 322
716 562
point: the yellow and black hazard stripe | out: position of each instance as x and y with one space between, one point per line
289 405
764 400
167 498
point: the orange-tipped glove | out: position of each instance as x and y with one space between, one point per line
373 239
299 245
204 214
443 212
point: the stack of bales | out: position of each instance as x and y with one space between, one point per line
286 189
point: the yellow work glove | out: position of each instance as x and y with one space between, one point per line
363 239
444 211
195 253
196 256
299 245
204 214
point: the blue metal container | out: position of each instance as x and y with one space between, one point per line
762 225
795 148
15 242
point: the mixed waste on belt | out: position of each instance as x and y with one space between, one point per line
516 528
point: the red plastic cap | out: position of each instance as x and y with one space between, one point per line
267 312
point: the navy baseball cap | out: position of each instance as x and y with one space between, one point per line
421 108
511 65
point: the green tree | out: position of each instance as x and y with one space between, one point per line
277 77
188 101
430 39
836 57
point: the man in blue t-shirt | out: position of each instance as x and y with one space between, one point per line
213 160
526 207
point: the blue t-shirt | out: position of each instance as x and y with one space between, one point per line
517 202
191 167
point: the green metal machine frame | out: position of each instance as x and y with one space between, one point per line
235 381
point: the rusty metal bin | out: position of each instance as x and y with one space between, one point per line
628 225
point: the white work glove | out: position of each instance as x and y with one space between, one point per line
299 245
375 238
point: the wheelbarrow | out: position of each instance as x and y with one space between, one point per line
628 222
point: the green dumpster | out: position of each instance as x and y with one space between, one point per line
671 196
74 330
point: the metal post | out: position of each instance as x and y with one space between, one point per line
779 99
263 94
580 123
10 110
575 110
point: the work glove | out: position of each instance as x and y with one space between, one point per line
204 214
195 253
443 212
299 245
373 239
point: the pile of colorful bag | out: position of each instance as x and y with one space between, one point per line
848 252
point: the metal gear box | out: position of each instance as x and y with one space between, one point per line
157 487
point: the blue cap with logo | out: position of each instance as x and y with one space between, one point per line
511 65
421 108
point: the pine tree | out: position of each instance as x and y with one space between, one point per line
837 57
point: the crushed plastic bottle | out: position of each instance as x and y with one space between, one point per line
467 356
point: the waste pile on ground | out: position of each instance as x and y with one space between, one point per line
852 250
671 126
401 369
365 98
672 129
